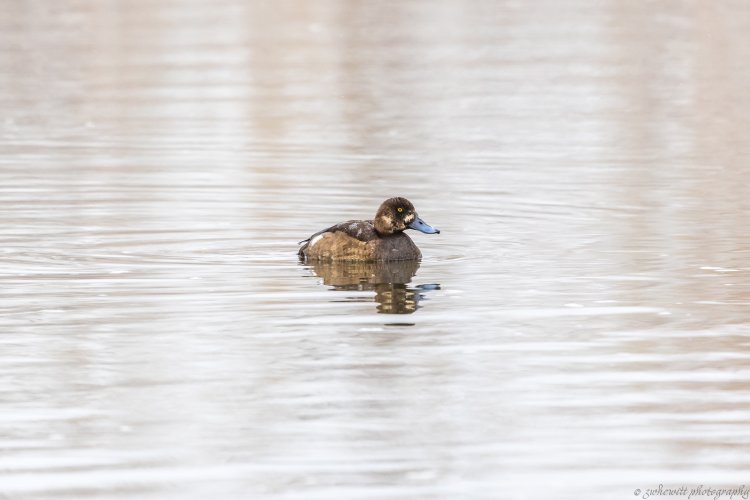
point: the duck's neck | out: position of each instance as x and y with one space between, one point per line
383 225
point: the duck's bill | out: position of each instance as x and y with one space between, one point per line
420 225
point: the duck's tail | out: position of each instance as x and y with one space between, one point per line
303 248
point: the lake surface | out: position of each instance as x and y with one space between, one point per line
579 329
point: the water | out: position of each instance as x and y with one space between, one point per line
579 329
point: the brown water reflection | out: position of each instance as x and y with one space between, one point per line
587 161
388 280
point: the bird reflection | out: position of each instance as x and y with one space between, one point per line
387 279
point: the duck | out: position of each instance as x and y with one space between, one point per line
379 239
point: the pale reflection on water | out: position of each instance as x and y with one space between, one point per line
579 329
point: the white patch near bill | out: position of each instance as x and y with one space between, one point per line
315 240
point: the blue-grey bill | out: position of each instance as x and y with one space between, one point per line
420 225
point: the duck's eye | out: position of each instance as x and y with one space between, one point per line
400 209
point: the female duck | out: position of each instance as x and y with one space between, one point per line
382 238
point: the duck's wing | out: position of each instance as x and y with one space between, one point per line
363 230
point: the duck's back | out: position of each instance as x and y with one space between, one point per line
357 240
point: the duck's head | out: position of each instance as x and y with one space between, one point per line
398 214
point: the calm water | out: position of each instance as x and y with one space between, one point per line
580 329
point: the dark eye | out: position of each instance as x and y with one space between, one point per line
400 209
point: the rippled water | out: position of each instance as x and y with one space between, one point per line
579 329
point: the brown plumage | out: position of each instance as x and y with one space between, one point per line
370 240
